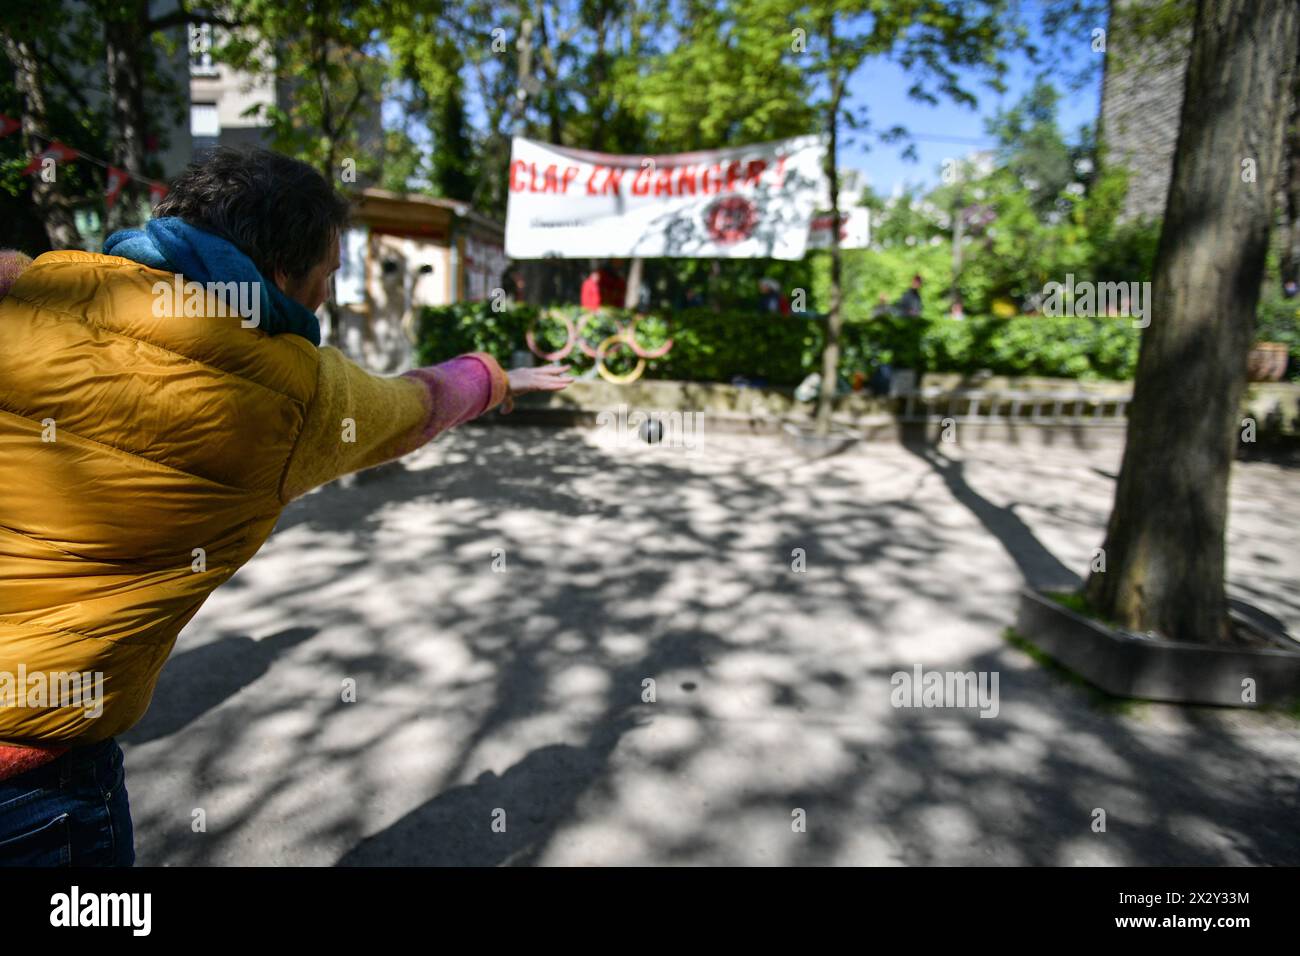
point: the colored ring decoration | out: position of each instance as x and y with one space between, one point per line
647 353
570 332
609 376
588 349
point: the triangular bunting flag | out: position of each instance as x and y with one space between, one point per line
116 180
56 151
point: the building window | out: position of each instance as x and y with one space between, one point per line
205 125
201 50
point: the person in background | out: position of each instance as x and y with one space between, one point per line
149 452
909 303
603 288
770 298
591 291
958 312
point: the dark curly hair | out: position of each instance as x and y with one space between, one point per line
280 212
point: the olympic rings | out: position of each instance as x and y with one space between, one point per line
643 353
570 333
621 338
575 335
587 348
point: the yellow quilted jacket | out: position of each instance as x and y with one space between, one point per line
143 461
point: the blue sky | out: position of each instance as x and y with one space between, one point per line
882 86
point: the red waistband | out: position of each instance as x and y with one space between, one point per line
15 759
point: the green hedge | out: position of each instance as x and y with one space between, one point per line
1064 347
707 346
716 347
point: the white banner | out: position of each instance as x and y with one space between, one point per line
739 203
855 229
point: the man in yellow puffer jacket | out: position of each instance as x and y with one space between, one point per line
159 406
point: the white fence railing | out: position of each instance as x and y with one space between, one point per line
1028 408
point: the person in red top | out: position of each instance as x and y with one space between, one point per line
591 291
603 287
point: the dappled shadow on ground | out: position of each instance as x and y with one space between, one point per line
1038 566
206 677
501 601
451 829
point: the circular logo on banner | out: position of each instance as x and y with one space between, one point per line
731 219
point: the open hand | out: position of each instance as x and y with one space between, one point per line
543 378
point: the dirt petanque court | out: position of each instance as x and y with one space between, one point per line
531 645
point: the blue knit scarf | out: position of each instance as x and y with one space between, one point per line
173 245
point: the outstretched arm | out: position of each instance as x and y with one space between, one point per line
357 420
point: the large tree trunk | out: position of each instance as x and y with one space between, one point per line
49 199
834 317
1164 548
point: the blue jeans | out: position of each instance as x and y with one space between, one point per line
72 811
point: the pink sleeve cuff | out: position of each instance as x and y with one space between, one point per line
459 390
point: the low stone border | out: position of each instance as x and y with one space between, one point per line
865 428
766 411
1132 665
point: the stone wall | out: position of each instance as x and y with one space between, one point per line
1275 406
